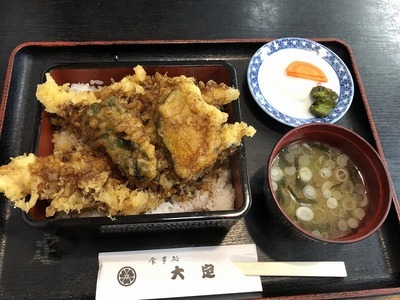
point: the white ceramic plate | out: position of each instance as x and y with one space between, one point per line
287 98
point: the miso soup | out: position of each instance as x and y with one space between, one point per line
319 188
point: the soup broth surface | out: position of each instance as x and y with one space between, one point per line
319 188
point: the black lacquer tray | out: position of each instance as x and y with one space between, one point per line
40 264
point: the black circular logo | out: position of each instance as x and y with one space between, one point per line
126 276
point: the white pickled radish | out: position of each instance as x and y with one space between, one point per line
342 225
304 213
332 203
359 213
276 174
305 174
309 192
353 223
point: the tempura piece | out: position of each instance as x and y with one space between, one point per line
218 94
57 98
74 182
194 131
107 124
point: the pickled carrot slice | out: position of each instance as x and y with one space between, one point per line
306 70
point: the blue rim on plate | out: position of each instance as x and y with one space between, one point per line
339 67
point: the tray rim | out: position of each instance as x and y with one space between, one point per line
354 67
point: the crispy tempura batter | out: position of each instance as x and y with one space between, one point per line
217 94
194 131
109 125
160 135
71 181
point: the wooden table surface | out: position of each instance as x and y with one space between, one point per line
371 28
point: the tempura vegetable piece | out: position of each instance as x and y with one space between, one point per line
194 132
218 94
107 124
71 182
56 98
130 84
16 182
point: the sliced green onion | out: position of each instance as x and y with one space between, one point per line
341 160
359 213
337 195
274 186
364 201
358 198
334 151
342 225
319 215
341 174
349 203
327 194
353 223
359 188
324 158
290 170
307 150
327 185
295 148
316 233
332 203
309 192
289 157
330 164
276 174
347 187
339 212
325 173
305 174
304 160
304 213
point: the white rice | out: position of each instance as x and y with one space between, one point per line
82 87
220 196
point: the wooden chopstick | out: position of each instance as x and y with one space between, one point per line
309 268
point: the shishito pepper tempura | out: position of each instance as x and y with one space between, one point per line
130 148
